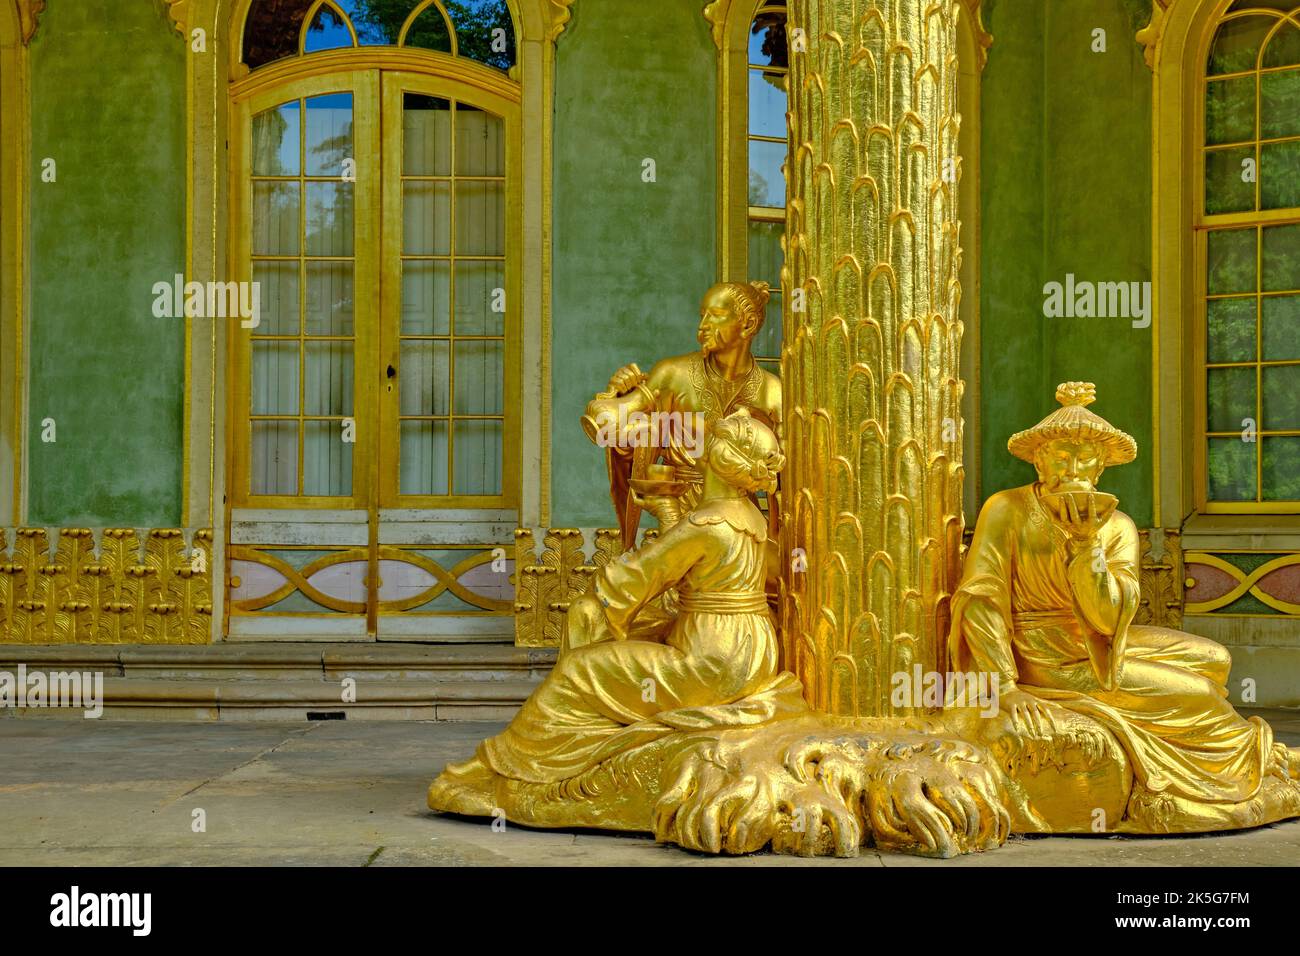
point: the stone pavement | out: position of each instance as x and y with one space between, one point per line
121 793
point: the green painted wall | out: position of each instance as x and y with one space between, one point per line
1066 188
634 80
108 105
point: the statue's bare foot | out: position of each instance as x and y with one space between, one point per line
468 788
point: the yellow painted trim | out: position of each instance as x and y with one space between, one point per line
17 25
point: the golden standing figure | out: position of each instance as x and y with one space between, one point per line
1045 604
642 419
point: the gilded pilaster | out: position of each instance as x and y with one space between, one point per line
871 357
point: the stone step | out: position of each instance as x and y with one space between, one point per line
160 699
330 662
288 681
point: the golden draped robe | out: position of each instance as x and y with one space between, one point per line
1056 624
717 664
684 384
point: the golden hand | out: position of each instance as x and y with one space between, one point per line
626 379
1028 714
1082 523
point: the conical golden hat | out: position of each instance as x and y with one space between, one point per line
1073 422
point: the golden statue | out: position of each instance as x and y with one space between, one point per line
677 718
1049 589
611 689
641 419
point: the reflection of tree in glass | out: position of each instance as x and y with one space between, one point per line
758 189
273 27
771 23
473 20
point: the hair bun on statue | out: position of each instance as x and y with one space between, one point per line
762 292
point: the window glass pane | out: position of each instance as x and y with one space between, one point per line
765 255
423 458
1281 397
327 31
429 32
1284 48
1231 470
277 292
426 139
480 297
328 388
1230 398
275 141
1279 175
1279 104
767 41
479 366
275 218
478 457
1280 268
425 377
480 218
274 466
275 378
329 134
766 181
1280 468
767 104
271 30
1231 266
426 297
329 298
484 31
1236 45
326 460
1281 324
480 143
1230 110
1227 188
426 218
329 219
377 22
1231 330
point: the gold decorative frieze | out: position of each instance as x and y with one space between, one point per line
546 581
158 591
1161 579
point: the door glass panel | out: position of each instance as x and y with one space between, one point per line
302 246
329 134
426 297
452 381
423 457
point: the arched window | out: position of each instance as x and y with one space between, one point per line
1247 225
377 202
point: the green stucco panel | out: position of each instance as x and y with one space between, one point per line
632 259
108 106
1066 188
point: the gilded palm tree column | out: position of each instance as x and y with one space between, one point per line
870 366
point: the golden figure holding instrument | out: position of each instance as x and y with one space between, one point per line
641 419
